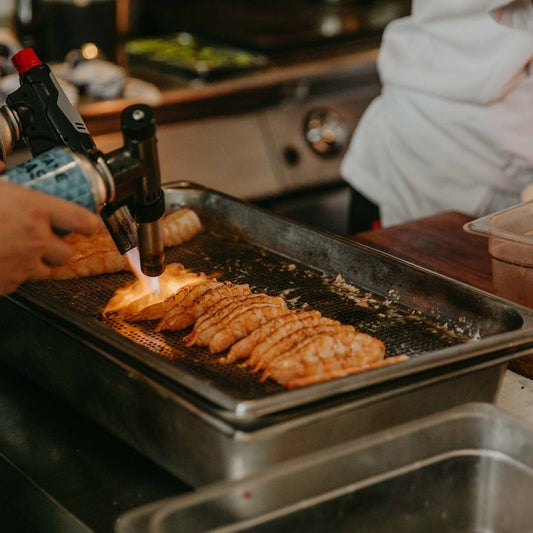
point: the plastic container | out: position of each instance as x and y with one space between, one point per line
510 234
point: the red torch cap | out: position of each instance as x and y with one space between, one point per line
25 60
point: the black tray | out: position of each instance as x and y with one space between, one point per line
186 55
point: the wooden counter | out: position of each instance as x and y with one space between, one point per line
440 244
184 99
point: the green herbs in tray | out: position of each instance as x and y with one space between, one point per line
184 53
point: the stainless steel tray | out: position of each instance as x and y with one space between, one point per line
463 470
204 421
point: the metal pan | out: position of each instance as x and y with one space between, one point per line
467 469
205 421
434 320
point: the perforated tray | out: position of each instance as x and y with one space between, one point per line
241 262
204 421
432 319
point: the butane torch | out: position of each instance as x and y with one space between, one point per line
68 165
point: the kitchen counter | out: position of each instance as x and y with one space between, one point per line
62 472
184 99
440 244
262 117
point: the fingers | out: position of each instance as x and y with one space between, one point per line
73 218
40 272
70 217
28 244
59 214
57 253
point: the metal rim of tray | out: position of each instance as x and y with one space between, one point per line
484 352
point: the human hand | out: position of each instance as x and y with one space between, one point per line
527 193
28 243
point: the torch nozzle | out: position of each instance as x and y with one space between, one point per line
121 227
151 248
151 282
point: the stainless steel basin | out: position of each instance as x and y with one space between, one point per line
469 469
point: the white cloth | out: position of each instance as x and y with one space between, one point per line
453 127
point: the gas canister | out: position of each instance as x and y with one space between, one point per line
64 174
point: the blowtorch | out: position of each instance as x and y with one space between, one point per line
124 186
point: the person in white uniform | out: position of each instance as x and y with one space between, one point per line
453 126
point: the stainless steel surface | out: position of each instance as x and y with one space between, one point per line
151 248
204 421
61 472
469 469
430 318
515 396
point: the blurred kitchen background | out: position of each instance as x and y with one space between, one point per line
257 99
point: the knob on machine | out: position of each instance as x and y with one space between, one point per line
326 132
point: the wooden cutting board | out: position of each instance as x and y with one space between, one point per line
440 244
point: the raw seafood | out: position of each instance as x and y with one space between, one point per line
97 254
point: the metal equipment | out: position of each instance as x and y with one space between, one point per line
204 421
466 469
128 179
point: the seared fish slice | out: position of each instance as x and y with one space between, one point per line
285 344
180 226
283 338
183 299
333 374
154 308
199 299
280 325
159 309
325 352
97 253
206 328
244 322
133 299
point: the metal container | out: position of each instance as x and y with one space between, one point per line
468 469
204 421
64 174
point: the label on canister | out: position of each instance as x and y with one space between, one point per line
56 172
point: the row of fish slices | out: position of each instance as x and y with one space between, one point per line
221 313
262 333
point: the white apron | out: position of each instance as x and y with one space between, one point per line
453 127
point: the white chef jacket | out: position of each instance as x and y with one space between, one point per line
453 126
